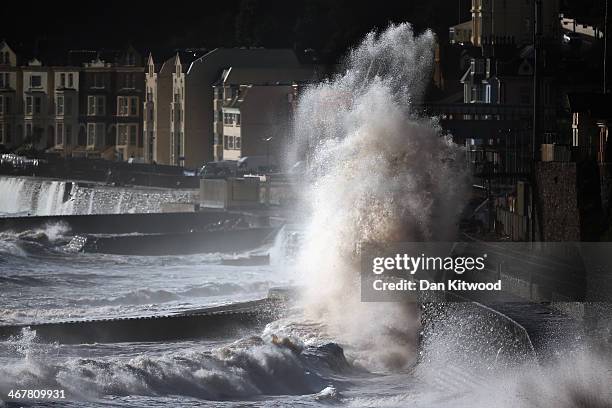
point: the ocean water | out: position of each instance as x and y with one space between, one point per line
42 283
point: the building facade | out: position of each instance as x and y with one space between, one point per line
67 108
513 20
83 109
11 116
156 111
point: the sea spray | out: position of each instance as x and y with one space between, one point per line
377 171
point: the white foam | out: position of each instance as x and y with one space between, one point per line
379 172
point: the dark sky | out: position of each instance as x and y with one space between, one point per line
321 24
329 26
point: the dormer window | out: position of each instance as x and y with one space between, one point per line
129 81
98 80
131 59
35 81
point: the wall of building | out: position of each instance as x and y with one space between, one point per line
11 114
39 126
232 130
512 19
265 114
558 201
161 150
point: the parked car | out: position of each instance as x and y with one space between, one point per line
257 164
219 169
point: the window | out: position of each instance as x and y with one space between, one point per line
237 119
134 106
95 134
4 80
70 80
91 105
59 105
63 80
237 143
228 119
5 133
122 105
128 134
98 80
133 135
68 134
129 81
35 81
122 135
1 105
91 134
95 105
127 105
37 104
474 97
28 108
59 134
525 97
28 130
100 109
231 142
226 142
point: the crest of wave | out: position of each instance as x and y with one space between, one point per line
378 172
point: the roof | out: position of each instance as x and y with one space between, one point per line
463 26
266 76
596 105
187 56
251 57
167 67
